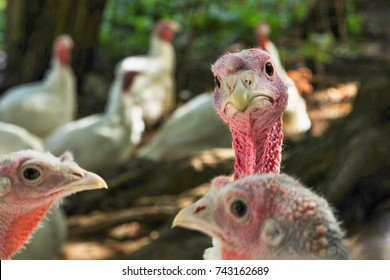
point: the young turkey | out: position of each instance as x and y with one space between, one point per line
53 230
250 95
104 140
265 216
30 183
153 87
43 106
296 120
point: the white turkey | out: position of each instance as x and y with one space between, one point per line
192 128
153 87
296 120
14 138
51 234
43 106
105 140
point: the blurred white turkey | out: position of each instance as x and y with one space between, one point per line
192 128
153 88
14 138
43 106
295 118
105 140
51 234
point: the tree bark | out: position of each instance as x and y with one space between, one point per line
32 26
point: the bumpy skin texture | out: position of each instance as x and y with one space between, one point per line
266 216
30 182
250 96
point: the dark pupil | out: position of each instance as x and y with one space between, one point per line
217 82
239 208
269 69
31 173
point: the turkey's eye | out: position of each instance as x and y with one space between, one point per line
217 82
31 173
269 69
239 208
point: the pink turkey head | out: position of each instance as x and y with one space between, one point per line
248 88
262 33
266 216
62 49
30 182
166 29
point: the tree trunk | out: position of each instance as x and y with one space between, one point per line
32 26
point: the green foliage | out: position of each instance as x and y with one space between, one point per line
319 46
3 5
214 25
354 20
128 23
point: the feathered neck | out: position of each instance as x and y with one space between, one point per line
116 105
258 148
162 50
16 229
60 76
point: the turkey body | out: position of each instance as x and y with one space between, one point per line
14 138
192 128
41 107
103 140
153 87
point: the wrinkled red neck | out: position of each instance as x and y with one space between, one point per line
258 150
16 230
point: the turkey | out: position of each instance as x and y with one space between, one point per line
106 140
53 230
296 120
276 216
30 183
192 128
250 96
43 106
153 87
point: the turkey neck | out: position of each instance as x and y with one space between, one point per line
163 51
16 229
258 149
61 80
116 105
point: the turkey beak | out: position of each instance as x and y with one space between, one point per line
198 216
88 181
240 97
244 87
80 180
